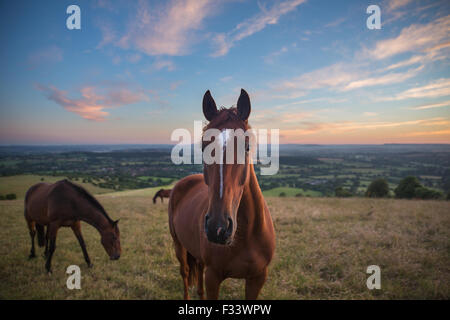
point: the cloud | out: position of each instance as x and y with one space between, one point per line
169 29
174 85
393 5
134 58
226 79
108 34
370 114
427 133
417 37
335 23
93 100
160 64
335 128
436 88
382 80
225 41
270 58
338 74
431 106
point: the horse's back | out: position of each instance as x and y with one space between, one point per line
187 205
44 200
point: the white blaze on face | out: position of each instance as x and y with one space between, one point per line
223 137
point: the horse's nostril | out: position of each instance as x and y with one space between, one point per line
230 226
206 222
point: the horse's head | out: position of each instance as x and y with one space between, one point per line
111 240
226 139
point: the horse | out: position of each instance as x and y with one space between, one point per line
219 221
65 204
162 193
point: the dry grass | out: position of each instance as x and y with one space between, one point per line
324 246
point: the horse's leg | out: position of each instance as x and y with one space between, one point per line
46 243
253 285
76 227
181 253
32 228
52 231
162 199
212 282
200 291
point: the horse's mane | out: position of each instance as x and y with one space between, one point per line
94 202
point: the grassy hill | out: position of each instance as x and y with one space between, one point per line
19 184
324 246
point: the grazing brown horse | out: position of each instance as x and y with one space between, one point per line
65 204
219 220
162 193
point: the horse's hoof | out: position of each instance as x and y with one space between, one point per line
49 273
90 265
31 256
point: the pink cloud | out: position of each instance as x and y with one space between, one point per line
93 100
168 29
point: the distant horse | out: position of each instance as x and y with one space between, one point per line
65 204
162 193
219 220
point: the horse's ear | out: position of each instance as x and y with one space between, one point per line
116 222
209 106
243 105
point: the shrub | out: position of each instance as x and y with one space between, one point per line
282 194
2 197
410 187
425 193
379 188
11 196
407 188
298 195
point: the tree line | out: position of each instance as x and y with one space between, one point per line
408 188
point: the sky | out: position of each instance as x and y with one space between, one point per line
137 70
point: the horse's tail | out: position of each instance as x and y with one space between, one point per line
193 270
40 235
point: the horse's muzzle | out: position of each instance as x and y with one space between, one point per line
115 257
219 233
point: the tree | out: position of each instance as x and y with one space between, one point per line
379 188
407 188
342 193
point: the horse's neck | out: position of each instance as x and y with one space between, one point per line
95 218
252 206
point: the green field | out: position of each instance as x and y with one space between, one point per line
324 246
20 184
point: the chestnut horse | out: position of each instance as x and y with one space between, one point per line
219 220
162 193
65 204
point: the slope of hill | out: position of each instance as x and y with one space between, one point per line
324 246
